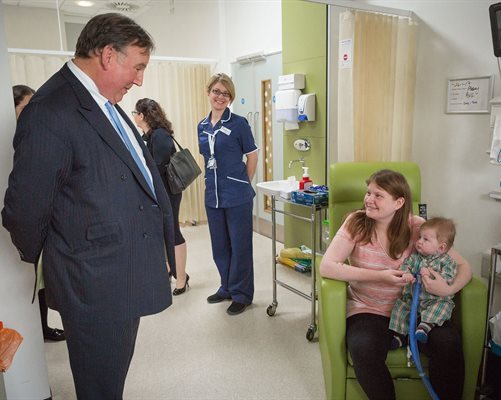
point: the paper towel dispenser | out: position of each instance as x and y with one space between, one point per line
286 102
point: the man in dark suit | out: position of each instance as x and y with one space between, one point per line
86 196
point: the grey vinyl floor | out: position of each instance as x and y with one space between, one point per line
194 350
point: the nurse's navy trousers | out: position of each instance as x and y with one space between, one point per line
231 238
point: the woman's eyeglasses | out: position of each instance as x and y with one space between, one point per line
134 112
217 93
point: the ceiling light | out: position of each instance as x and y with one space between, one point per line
84 3
123 6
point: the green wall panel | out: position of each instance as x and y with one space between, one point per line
304 50
304 30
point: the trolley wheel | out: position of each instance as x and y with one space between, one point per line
271 310
310 333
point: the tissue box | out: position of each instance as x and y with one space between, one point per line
309 197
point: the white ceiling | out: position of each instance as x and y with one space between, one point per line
69 8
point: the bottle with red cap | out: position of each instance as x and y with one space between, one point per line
305 182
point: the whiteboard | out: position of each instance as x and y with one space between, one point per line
469 95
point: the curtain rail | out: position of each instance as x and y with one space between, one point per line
366 7
71 54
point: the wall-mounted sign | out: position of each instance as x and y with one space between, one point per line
345 53
469 95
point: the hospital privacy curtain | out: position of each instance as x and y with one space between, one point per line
376 92
179 87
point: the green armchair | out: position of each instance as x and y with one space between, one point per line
347 188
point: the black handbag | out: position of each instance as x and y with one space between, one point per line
182 170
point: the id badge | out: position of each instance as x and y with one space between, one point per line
211 164
225 130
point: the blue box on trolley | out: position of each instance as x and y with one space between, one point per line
314 195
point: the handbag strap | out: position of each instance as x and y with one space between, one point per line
175 141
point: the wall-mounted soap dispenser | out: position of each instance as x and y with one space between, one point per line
306 107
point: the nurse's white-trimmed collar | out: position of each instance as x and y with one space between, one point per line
226 113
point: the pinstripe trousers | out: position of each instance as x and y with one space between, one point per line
100 355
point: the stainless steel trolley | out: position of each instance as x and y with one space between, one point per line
315 211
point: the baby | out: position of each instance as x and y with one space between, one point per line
436 237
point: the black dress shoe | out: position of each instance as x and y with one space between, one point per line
177 292
54 334
236 308
215 298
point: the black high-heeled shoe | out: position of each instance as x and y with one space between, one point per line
177 292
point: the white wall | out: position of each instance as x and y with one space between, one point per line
184 32
22 28
191 30
252 26
455 40
215 29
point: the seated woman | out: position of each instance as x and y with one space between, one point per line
376 240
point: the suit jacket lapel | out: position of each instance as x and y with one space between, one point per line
96 118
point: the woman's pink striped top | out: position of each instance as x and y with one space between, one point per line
375 297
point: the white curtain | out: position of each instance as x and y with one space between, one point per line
34 69
179 87
376 93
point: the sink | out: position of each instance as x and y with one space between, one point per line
282 187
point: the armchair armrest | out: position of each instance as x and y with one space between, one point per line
332 335
471 315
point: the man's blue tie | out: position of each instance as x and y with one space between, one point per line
128 144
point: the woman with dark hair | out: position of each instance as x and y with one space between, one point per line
22 96
157 129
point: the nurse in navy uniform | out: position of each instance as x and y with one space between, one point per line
230 154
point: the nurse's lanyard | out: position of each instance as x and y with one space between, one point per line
211 164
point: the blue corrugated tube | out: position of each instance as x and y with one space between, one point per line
412 339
